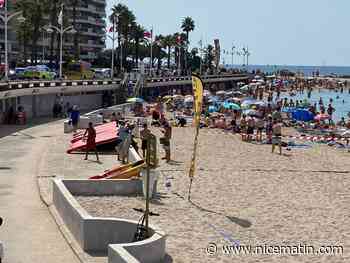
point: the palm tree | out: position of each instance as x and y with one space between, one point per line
126 19
187 26
138 36
169 43
159 53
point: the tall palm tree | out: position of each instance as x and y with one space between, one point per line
168 43
138 36
125 18
187 26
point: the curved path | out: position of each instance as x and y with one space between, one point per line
29 232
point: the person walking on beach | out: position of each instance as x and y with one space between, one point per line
144 137
250 130
243 128
91 141
269 126
260 127
165 140
277 136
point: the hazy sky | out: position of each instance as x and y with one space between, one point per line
293 32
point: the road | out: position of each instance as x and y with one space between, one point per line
29 232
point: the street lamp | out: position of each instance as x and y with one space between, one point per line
43 30
6 18
113 38
50 29
232 53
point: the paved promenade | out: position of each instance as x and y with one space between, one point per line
30 156
29 232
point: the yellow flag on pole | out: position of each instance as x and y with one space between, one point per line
198 102
198 98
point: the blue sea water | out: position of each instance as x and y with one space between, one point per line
307 70
341 104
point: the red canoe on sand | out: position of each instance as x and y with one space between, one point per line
105 133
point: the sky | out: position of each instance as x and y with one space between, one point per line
277 32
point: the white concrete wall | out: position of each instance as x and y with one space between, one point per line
105 234
44 103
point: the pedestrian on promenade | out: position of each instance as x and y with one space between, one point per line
75 116
91 141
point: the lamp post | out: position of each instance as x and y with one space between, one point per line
61 31
232 54
113 38
44 30
201 55
6 18
121 53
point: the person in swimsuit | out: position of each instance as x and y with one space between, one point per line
243 127
144 136
277 136
260 127
250 130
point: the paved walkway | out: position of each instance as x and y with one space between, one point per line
29 232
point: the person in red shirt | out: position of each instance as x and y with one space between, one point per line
91 141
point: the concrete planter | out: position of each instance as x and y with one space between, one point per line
97 234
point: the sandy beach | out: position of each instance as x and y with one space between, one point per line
242 192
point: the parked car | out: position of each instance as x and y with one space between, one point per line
39 72
102 73
78 70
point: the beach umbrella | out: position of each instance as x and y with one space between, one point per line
206 93
189 99
288 109
231 106
322 117
260 103
249 101
220 92
212 109
252 113
346 134
135 100
245 88
213 99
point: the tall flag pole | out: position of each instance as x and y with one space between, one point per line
197 85
151 66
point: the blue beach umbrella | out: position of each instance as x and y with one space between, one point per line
212 109
231 106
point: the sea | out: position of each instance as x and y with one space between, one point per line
341 101
307 70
